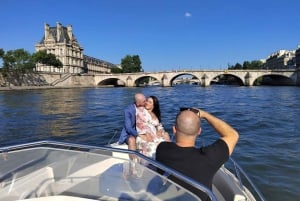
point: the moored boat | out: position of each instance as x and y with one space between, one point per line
50 171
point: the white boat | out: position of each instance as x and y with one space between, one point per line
55 171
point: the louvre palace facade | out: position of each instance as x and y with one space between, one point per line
61 42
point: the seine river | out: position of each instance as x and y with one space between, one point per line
267 119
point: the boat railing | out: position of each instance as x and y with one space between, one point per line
107 150
112 138
239 172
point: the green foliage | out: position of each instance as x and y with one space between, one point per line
116 70
237 66
246 65
18 60
131 64
255 64
1 53
47 59
15 64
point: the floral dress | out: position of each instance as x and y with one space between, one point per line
145 124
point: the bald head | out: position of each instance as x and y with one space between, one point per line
187 123
139 99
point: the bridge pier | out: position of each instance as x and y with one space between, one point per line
248 79
298 77
165 81
129 82
205 81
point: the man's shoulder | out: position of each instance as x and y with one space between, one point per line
163 149
130 107
165 144
216 151
219 143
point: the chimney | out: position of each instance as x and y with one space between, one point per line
46 26
58 31
70 33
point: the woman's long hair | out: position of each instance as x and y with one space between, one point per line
156 109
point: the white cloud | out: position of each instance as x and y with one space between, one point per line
187 14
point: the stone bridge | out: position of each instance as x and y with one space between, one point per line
205 77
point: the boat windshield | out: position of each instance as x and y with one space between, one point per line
60 171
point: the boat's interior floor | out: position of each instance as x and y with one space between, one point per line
100 181
72 175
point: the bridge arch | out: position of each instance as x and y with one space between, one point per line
111 82
176 76
236 79
205 77
273 79
147 77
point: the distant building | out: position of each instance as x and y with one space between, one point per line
61 42
93 65
282 59
298 57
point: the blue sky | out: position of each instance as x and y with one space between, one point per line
166 34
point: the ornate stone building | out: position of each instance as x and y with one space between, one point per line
282 59
61 42
93 65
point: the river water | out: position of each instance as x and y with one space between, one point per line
267 119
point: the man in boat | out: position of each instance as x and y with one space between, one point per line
129 132
201 163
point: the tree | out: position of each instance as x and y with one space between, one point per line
131 64
256 64
1 56
48 59
1 53
116 70
237 66
15 64
18 60
246 65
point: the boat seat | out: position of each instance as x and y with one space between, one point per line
118 154
33 184
84 174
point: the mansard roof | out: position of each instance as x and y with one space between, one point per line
96 61
64 37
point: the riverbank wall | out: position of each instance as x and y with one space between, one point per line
18 88
45 81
